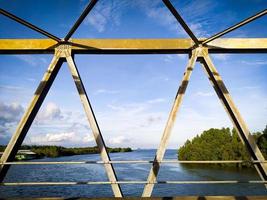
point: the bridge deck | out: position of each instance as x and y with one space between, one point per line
154 198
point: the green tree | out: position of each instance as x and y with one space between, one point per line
262 142
215 144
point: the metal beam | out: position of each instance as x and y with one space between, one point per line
169 126
80 19
94 126
29 115
29 25
132 46
233 113
179 18
130 162
262 197
133 182
236 26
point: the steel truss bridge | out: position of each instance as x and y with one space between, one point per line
199 50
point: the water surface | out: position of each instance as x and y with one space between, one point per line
95 172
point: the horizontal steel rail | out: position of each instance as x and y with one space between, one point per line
132 46
132 162
131 182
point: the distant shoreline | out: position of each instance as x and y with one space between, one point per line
37 151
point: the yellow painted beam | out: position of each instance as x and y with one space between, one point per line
248 44
27 44
135 46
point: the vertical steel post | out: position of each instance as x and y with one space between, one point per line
94 126
29 115
169 126
233 113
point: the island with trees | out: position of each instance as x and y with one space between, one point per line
221 144
56 151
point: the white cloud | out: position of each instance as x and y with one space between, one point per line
10 114
182 56
61 138
135 124
32 60
173 58
50 112
109 13
192 12
98 21
163 16
88 138
118 140
138 122
168 58
31 79
221 57
105 13
255 62
197 29
204 94
157 100
245 88
57 137
11 87
105 91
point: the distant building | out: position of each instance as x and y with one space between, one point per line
24 155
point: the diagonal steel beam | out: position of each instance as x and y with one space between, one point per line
29 115
179 18
233 113
29 25
169 126
236 26
94 126
80 19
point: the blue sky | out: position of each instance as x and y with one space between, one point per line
131 94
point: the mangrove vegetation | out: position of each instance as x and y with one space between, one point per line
56 151
221 144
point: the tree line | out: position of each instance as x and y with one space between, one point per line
56 151
221 144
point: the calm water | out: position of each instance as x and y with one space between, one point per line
94 172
